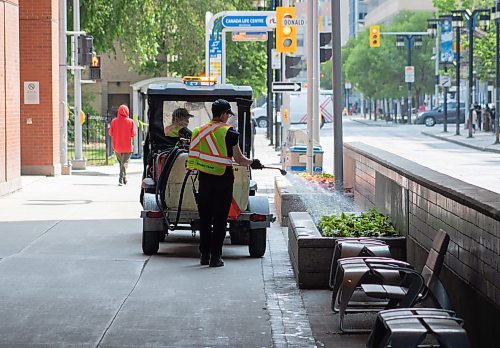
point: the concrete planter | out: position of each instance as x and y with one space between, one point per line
311 254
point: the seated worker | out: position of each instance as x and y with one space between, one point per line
178 129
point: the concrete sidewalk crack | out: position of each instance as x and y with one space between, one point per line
122 304
289 321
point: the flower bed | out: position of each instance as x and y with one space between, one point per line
311 253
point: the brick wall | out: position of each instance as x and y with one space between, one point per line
10 160
427 201
38 22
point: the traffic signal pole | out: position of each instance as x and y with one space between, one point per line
269 102
78 162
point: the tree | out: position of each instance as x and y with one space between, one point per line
379 72
168 37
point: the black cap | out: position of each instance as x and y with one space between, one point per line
181 112
221 106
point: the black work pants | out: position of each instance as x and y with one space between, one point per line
214 201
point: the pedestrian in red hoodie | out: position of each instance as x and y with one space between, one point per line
122 131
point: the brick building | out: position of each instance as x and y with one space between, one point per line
29 90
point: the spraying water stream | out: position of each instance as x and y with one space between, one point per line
319 201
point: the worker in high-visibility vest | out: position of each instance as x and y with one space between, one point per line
211 152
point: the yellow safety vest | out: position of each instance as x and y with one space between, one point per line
208 151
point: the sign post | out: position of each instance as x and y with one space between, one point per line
231 21
409 74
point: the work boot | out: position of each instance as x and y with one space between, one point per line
125 181
120 182
216 261
204 259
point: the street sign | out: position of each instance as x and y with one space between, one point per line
249 36
279 87
444 81
409 74
275 59
294 21
246 21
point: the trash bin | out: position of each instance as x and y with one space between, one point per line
296 158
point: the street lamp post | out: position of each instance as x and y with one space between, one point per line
409 40
457 23
496 17
432 29
470 18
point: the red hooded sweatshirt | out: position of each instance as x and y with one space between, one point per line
122 131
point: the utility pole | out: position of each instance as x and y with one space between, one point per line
278 98
63 89
338 142
79 161
312 41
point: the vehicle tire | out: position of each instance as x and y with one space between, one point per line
430 121
257 242
239 234
262 122
150 242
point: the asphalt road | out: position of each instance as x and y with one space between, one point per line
472 166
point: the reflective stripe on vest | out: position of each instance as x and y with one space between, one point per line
208 151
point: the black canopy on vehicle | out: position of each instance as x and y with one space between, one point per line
158 94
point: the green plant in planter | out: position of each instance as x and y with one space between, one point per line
367 224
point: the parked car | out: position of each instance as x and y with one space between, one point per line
259 114
436 115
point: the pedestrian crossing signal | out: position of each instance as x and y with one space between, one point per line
375 36
95 68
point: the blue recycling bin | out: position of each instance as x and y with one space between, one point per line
296 158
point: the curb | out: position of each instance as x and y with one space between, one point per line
372 124
458 142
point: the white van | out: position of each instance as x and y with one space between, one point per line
298 107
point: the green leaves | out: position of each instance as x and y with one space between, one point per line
367 224
379 72
160 37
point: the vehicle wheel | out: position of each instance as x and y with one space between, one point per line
239 235
429 121
262 122
257 242
150 242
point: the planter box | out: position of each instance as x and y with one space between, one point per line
286 200
311 254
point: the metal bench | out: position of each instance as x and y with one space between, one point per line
408 327
388 279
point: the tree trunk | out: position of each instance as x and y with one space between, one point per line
370 109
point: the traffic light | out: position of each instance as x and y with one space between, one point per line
286 31
292 66
95 68
85 48
325 53
375 36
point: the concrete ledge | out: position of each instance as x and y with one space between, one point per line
47 170
10 186
286 200
311 254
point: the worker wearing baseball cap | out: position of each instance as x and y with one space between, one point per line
178 129
212 150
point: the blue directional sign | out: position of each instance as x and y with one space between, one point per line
215 47
244 21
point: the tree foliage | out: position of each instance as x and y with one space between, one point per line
379 72
161 37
